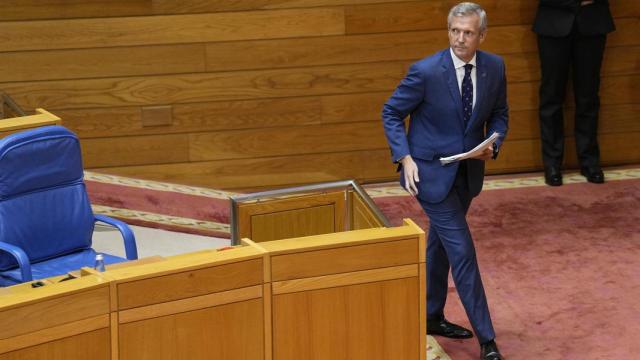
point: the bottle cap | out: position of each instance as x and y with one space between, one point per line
99 257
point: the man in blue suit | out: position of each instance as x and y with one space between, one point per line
456 98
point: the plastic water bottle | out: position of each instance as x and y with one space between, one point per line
99 263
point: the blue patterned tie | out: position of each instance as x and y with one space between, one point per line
467 94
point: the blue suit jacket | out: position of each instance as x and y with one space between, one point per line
430 94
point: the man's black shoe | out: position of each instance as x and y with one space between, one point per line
444 328
552 176
489 351
593 174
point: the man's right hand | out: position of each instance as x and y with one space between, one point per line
410 170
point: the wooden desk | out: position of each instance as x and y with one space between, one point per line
59 321
205 305
357 295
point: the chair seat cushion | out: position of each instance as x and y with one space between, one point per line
58 266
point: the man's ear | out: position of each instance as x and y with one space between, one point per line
483 35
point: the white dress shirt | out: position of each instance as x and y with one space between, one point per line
459 66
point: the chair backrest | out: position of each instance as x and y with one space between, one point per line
44 207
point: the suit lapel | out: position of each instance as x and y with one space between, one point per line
481 87
449 75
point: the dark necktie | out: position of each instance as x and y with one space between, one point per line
467 94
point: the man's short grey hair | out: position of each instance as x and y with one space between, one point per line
467 9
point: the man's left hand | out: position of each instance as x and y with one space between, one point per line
486 154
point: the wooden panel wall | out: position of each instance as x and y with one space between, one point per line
260 93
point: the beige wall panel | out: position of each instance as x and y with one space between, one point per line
344 317
101 63
212 333
293 223
189 283
134 150
91 345
268 172
344 259
286 141
161 90
169 29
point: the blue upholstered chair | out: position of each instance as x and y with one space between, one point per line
46 221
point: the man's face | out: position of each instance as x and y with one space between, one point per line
465 36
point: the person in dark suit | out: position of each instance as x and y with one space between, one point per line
571 33
455 98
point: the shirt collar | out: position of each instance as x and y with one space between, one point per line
457 63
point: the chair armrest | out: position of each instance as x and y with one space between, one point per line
129 239
21 257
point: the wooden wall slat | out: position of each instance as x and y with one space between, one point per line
170 29
161 90
286 141
265 54
271 171
522 66
199 6
197 117
362 136
135 150
257 84
101 63
229 115
67 9
14 10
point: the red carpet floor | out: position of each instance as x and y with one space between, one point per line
561 266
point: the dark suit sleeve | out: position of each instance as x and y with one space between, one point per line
499 119
407 97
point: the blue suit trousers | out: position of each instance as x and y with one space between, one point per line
450 245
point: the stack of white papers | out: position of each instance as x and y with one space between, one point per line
474 152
